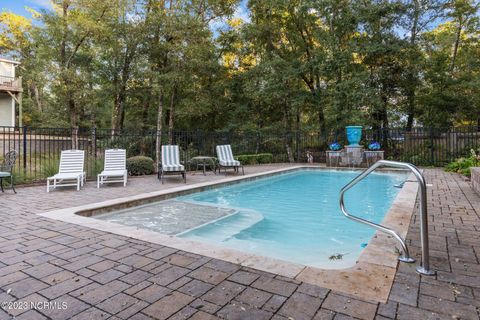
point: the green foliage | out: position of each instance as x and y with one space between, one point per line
259 158
463 165
95 168
133 144
139 166
50 167
311 64
419 160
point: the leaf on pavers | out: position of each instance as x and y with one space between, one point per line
9 290
455 291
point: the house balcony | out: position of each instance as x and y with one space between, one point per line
10 84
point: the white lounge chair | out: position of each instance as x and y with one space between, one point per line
115 167
226 160
70 172
171 163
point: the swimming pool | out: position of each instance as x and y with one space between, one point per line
296 216
291 216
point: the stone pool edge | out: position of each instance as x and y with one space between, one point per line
371 278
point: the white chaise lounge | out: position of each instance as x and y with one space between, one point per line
115 167
70 171
226 160
171 163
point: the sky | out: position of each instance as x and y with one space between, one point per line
18 6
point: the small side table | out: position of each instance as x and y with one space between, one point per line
205 162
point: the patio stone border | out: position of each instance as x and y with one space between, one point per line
475 179
371 278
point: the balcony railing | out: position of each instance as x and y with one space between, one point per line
10 84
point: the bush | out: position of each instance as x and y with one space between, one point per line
265 158
139 165
50 167
246 159
463 165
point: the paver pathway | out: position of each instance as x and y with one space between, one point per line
89 274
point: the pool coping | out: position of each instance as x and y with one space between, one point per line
371 278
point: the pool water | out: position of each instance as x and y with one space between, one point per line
296 217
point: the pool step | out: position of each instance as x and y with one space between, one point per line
224 228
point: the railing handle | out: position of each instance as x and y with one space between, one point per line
424 267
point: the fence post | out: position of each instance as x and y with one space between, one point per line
24 150
297 145
94 145
432 154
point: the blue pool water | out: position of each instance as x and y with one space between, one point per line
296 217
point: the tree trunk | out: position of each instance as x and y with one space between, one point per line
158 140
36 95
171 115
115 113
410 109
73 123
288 130
456 45
322 130
145 109
412 77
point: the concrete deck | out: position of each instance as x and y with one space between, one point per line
92 274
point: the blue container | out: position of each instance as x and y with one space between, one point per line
354 134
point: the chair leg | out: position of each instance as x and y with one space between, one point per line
243 171
184 174
11 181
48 185
161 176
125 180
78 183
98 181
1 184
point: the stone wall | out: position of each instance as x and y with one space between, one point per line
476 179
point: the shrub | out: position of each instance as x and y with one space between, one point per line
463 165
265 158
139 165
255 158
50 167
96 168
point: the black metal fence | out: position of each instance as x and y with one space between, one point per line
39 148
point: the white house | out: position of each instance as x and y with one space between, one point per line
10 93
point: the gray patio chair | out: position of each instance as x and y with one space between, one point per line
226 160
171 163
6 168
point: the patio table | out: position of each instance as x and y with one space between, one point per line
205 162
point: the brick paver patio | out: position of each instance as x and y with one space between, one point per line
98 275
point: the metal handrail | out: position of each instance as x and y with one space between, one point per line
424 267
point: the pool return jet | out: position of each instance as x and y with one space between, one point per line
424 267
